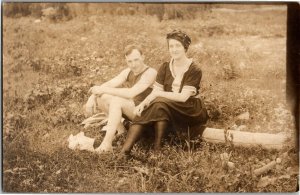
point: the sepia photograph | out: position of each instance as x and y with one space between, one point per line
150 97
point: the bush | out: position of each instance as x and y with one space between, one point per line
58 11
54 11
16 9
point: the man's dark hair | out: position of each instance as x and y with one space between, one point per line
130 48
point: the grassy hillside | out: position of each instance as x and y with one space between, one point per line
49 66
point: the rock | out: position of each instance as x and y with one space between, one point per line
285 155
234 127
262 163
59 90
241 128
273 157
122 180
257 127
278 167
278 160
99 59
265 181
225 156
73 106
242 65
46 135
58 172
293 170
230 165
7 131
83 38
224 159
244 116
50 11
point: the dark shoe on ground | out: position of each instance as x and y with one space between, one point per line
196 131
124 156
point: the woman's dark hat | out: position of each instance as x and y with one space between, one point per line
181 37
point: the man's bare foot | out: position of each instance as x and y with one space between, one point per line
104 147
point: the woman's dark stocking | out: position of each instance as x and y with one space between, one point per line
133 135
160 129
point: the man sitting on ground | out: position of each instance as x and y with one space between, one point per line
120 95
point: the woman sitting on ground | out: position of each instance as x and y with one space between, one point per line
175 98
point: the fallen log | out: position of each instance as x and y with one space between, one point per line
245 139
212 135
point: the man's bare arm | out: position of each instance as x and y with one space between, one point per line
146 81
118 80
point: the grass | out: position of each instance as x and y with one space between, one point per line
49 67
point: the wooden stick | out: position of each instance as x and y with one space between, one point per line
264 169
93 120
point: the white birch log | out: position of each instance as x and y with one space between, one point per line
245 139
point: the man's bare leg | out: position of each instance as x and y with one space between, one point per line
116 106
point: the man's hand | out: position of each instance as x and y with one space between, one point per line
139 109
98 90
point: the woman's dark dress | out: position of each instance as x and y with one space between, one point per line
180 114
